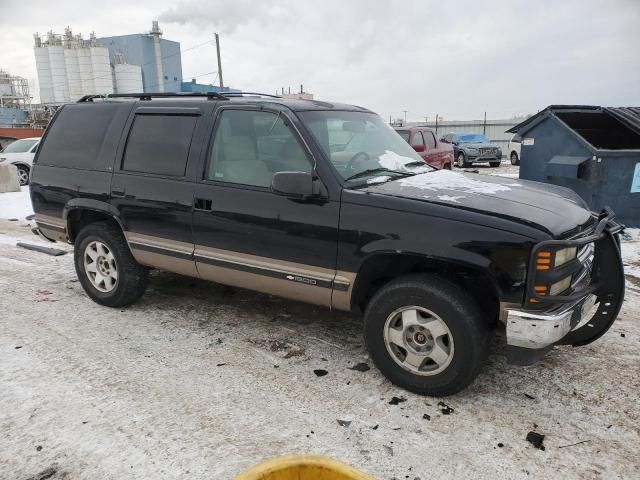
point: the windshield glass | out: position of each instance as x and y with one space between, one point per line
361 145
20 146
472 138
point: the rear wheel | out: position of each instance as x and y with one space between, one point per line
23 175
514 159
106 268
426 335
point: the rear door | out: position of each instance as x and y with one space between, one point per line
245 234
435 156
152 188
417 140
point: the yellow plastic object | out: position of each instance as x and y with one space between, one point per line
303 467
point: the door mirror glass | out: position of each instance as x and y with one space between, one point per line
292 184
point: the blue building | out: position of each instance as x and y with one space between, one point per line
192 86
139 49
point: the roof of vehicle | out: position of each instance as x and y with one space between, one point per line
246 98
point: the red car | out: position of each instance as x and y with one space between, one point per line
425 141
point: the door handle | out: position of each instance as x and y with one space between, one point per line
120 193
203 204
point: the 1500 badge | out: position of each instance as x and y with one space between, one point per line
296 278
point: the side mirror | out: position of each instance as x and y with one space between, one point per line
292 184
419 148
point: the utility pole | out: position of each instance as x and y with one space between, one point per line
405 116
484 125
219 62
437 122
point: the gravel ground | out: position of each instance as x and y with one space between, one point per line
203 381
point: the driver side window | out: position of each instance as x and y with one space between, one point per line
418 139
250 146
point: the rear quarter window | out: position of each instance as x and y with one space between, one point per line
75 139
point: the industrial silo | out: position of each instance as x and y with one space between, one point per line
86 71
72 66
128 78
44 71
58 69
102 76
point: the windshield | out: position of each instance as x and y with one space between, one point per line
472 138
20 146
361 145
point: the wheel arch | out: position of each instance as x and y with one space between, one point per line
380 268
81 212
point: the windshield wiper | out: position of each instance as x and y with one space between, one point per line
370 171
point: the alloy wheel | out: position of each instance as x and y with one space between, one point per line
418 340
100 266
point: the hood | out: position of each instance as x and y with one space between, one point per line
556 210
477 145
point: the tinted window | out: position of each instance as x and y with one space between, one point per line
76 136
417 139
250 146
431 141
159 144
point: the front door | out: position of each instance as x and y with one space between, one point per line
246 235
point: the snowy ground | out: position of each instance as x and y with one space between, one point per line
201 381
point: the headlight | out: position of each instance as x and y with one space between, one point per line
560 286
472 150
565 255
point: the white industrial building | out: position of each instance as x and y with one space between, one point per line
70 67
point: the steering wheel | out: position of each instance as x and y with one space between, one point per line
358 157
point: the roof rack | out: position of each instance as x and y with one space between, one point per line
149 96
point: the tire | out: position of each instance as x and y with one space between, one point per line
131 277
514 158
494 164
447 166
461 161
23 175
467 331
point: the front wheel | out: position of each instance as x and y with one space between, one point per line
461 160
426 335
106 268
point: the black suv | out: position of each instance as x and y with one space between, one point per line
326 204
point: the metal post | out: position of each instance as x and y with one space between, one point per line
437 122
484 124
405 116
219 62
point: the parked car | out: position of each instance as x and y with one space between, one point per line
258 192
473 148
426 143
20 153
514 149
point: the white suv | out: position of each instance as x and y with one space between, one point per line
514 149
20 153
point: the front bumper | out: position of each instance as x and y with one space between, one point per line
526 329
580 317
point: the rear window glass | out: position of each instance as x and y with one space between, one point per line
75 138
159 144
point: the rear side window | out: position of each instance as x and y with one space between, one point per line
76 136
159 144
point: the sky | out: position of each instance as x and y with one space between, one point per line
457 59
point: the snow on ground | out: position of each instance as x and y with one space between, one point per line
199 380
15 205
